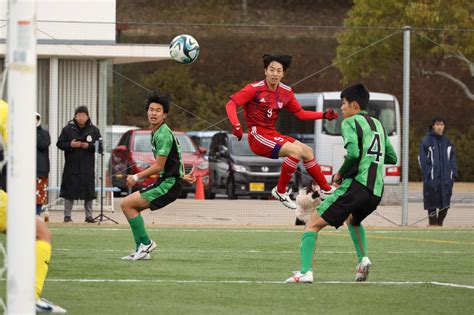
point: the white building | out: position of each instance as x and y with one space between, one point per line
76 47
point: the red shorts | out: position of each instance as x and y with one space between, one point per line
267 142
41 190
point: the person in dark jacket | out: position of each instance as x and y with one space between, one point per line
43 141
438 165
77 140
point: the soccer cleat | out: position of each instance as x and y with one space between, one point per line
132 255
323 194
45 306
284 198
143 250
299 277
363 267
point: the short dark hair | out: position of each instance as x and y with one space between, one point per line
356 92
285 60
436 119
155 96
81 109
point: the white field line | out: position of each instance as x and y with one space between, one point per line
327 231
253 251
394 283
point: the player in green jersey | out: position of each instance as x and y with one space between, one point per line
167 188
360 181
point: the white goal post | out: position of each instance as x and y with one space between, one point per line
21 67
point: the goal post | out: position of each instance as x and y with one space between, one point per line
21 66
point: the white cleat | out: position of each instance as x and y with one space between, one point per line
143 250
45 306
299 277
323 194
363 267
132 255
284 198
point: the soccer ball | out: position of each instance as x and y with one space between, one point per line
184 49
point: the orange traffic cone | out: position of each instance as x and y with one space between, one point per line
199 189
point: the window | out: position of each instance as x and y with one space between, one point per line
240 148
142 142
186 143
384 111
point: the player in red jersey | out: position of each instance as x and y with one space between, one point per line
262 102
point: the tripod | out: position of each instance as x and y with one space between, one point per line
102 217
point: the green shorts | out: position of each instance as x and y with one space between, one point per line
163 192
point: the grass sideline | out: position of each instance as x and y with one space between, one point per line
241 270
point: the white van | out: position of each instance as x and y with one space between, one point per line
325 136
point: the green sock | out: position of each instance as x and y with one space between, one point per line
358 238
138 229
308 245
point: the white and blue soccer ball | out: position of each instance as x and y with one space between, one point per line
184 49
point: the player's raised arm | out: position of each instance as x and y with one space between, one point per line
329 114
295 107
231 109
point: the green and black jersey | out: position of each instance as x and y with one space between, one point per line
164 143
368 149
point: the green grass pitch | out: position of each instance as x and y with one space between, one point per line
241 270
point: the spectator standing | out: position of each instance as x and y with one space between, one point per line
43 141
438 165
77 140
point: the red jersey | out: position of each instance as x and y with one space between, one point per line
262 105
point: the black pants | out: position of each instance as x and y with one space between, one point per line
437 218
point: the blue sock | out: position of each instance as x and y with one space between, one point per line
38 209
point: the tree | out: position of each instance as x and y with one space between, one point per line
442 36
194 106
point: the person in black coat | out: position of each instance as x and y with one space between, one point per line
77 140
438 164
43 141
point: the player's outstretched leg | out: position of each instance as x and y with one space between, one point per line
307 247
279 192
313 169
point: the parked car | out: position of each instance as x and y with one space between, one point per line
133 154
236 171
112 137
202 138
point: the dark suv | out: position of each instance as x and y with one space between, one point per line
236 171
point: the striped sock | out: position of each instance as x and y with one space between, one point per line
314 170
288 168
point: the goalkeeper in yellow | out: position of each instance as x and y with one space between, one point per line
43 234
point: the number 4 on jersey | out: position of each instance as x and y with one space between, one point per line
375 148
